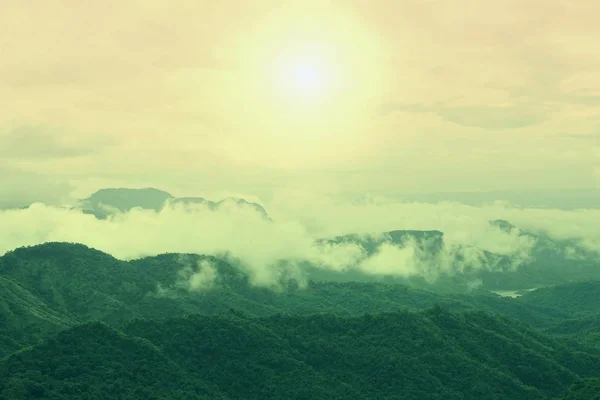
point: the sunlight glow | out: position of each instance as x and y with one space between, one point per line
307 74
304 76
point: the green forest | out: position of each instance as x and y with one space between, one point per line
76 323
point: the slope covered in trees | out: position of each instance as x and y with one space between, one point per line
435 354
55 285
93 361
588 389
578 299
297 339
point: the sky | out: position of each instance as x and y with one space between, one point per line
352 96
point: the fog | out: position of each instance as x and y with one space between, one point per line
260 245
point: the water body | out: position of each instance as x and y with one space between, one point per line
512 293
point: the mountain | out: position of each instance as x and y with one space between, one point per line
588 389
123 199
95 361
585 330
25 318
456 268
579 299
56 285
78 323
548 261
430 242
215 205
430 355
77 280
107 202
435 354
84 283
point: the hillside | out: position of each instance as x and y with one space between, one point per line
429 355
585 330
74 279
25 318
588 389
578 299
58 284
581 301
226 338
94 361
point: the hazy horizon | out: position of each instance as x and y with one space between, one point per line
339 117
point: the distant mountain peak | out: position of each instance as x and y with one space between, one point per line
108 201
68 248
131 190
503 225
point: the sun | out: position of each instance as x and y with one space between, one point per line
307 72
305 77
302 74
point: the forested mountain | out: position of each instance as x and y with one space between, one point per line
579 299
549 261
25 318
431 355
231 339
93 361
588 389
51 286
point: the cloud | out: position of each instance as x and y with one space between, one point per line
478 116
462 224
194 276
198 278
270 251
22 188
588 136
493 117
43 142
392 260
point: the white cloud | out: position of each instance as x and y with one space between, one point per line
242 234
202 277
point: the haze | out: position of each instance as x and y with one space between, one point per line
420 96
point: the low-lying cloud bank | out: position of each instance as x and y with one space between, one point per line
240 232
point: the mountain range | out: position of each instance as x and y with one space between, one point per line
544 261
60 299
76 322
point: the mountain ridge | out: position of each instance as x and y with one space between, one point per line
106 202
434 354
77 284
